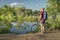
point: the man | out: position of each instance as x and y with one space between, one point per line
42 18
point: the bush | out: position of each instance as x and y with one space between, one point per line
5 27
55 25
31 18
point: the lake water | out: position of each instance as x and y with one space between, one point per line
28 26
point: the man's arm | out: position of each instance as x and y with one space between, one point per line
40 17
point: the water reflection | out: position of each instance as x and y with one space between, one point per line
26 25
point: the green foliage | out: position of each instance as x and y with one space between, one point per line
2 17
22 14
55 25
31 18
53 7
5 27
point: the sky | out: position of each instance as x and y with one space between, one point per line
32 4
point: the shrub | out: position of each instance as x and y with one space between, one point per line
5 27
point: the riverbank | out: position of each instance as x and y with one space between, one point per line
52 35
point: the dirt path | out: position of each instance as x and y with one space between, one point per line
54 35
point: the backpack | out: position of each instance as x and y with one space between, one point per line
45 15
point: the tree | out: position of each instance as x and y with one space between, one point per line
53 6
6 13
36 12
28 12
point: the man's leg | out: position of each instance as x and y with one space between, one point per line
42 28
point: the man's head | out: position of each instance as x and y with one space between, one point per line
43 9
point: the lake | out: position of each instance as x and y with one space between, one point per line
24 28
